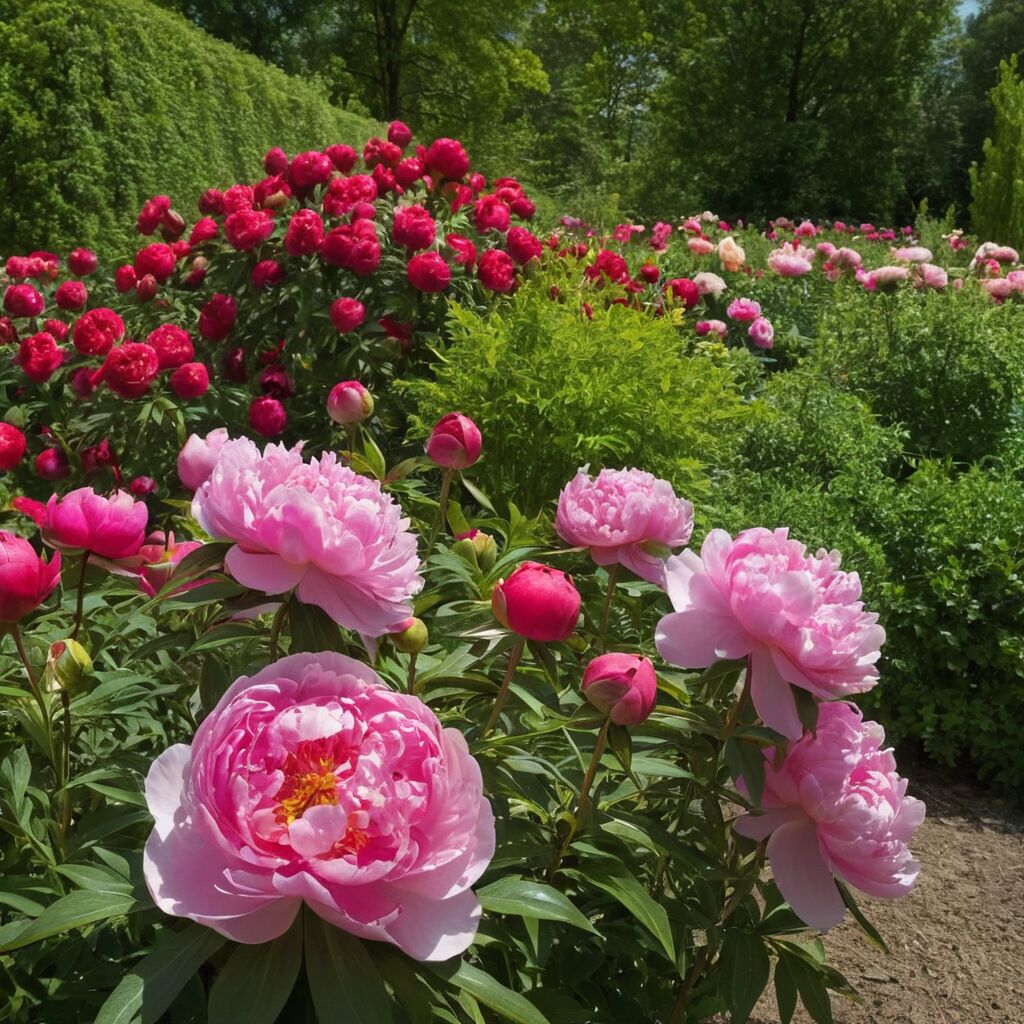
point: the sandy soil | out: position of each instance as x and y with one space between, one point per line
957 941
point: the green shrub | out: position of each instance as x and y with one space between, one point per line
949 367
953 673
552 390
106 102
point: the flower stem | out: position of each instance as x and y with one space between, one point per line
513 659
737 709
65 773
33 681
442 510
411 674
81 596
275 627
613 574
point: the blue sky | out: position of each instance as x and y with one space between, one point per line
968 7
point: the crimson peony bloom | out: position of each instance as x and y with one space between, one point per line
413 227
353 246
71 295
342 157
399 133
95 332
496 271
52 464
158 260
205 229
245 229
447 159
305 233
428 272
40 357
190 380
624 516
217 317
797 617
173 346
464 249
347 314
275 161
125 279
267 274
523 245
271 808
267 416
26 580
130 369
621 686
537 602
835 806
22 300
309 169
12 446
82 262
491 214
318 527
455 442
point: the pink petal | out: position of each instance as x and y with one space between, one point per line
165 784
772 697
261 926
265 572
803 876
760 826
697 637
430 929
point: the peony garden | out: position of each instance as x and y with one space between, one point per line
425 597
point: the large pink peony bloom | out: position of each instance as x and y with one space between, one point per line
624 516
316 526
798 617
836 807
313 782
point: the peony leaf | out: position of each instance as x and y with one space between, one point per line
75 910
490 992
516 895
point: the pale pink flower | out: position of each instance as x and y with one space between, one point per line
198 456
709 284
315 526
313 782
805 229
660 235
746 311
887 279
825 249
706 327
912 254
999 288
991 251
790 262
1016 280
836 807
624 516
700 246
797 617
927 275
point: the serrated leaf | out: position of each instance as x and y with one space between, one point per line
516 895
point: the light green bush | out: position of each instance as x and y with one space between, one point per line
106 102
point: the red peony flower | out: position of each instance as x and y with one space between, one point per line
523 246
130 369
23 300
490 213
151 214
413 227
12 446
190 380
95 332
173 346
305 234
447 158
71 295
211 201
267 274
245 229
217 317
82 262
496 271
125 279
267 416
347 314
309 169
343 157
39 356
157 259
205 229
464 249
428 272
399 133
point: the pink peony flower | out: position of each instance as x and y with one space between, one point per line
912 254
624 516
26 580
700 246
761 333
113 527
159 556
789 263
349 402
797 617
12 446
927 275
705 327
746 311
886 279
312 782
537 602
709 284
455 442
621 686
198 456
836 806
315 526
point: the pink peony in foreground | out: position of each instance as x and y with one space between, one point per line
836 807
315 526
312 782
624 516
798 617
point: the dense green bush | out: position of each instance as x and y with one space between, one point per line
552 390
949 367
953 675
106 102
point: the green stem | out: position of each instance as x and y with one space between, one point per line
65 774
275 627
734 714
513 660
81 596
442 509
411 675
33 680
613 574
678 1015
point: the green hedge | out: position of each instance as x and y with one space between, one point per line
106 102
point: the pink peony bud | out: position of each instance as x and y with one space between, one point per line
267 416
537 602
455 442
621 686
198 457
349 402
82 262
52 464
26 580
347 314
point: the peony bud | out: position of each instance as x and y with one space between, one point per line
67 665
621 686
455 442
26 580
349 402
52 464
12 446
478 548
537 602
412 637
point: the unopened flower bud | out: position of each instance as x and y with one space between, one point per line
412 638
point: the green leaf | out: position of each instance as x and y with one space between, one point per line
719 679
785 991
745 967
312 629
203 559
374 457
858 915
75 910
806 708
456 520
811 986
481 498
615 879
346 986
255 983
490 992
150 987
746 761
213 682
621 743
516 895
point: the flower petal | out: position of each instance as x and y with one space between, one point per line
803 876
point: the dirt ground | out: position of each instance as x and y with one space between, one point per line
957 940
